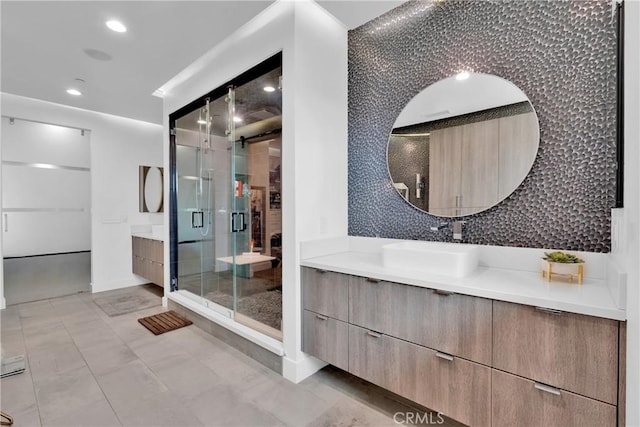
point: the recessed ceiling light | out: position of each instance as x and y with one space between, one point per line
202 122
237 119
269 89
116 26
463 75
74 92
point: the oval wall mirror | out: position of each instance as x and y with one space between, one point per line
151 189
463 144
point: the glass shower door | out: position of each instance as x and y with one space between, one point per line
227 201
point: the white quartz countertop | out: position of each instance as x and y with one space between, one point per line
593 297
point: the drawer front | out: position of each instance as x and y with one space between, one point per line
157 251
453 323
138 265
136 246
157 273
458 388
517 401
570 351
326 338
325 292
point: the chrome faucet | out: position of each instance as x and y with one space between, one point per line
438 227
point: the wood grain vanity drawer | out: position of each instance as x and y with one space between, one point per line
570 351
518 401
325 292
458 388
453 323
326 338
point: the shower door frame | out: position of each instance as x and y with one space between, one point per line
221 91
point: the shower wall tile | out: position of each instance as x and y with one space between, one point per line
562 54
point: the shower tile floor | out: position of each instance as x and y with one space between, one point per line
85 368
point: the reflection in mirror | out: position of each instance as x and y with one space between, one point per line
463 144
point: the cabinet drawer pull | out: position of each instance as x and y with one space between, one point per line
321 271
443 293
547 388
549 311
444 356
320 317
374 334
372 280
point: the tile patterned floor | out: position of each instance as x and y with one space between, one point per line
85 368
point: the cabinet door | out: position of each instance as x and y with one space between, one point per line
570 351
444 168
479 174
458 388
325 292
453 323
326 338
517 401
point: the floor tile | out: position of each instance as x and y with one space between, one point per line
95 414
349 412
292 404
60 394
184 375
223 406
107 356
129 385
47 361
17 394
163 410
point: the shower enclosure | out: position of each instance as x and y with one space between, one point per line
226 222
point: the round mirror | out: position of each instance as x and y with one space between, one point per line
463 144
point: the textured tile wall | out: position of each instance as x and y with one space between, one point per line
562 54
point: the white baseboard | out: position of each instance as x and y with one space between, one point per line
3 303
116 284
297 370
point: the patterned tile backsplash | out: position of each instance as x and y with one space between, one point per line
562 54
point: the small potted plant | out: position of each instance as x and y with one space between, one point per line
563 264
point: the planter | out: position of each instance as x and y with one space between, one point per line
566 270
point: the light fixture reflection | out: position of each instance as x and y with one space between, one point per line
269 89
116 26
237 119
463 75
74 92
202 122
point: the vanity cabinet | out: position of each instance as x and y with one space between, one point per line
519 401
449 322
148 259
570 351
476 360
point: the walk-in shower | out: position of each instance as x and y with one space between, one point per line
226 221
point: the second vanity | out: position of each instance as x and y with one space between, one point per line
497 347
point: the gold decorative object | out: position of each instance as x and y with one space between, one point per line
562 264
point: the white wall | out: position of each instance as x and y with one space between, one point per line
314 153
118 146
631 227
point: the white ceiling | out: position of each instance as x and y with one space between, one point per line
43 44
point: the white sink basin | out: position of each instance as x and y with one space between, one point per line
447 259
